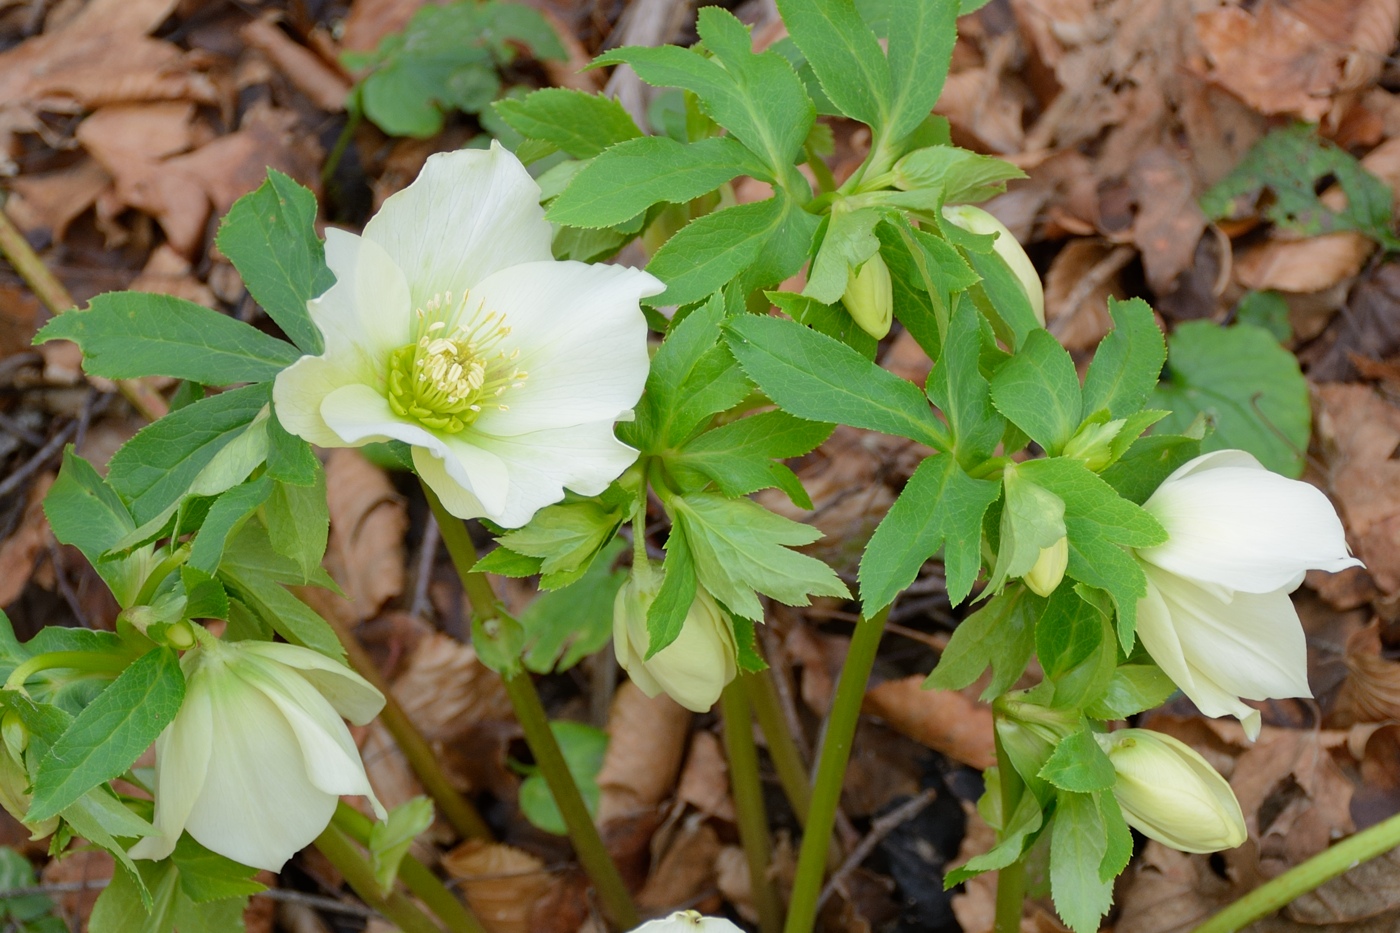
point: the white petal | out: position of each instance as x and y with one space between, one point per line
257 805
458 499
360 414
469 213
687 921
301 389
1243 527
368 310
182 761
585 458
582 340
352 696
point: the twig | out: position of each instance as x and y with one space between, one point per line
39 460
11 426
423 573
879 829
1097 275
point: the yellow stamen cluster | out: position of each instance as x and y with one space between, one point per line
448 375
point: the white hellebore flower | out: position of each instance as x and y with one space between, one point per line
1168 792
452 328
692 670
256 758
1217 617
688 921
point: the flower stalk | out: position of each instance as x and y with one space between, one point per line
747 789
1011 880
831 772
336 846
529 711
782 747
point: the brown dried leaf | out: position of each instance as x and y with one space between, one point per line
169 273
324 86
1370 329
448 692
501 883
943 720
53 200
372 20
1361 434
1081 278
646 741
1167 891
1169 222
704 781
1371 690
685 870
365 553
22 548
1308 265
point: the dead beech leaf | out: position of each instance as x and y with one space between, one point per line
1371 690
704 782
22 548
324 86
389 773
1078 284
1360 433
501 883
1363 893
943 720
169 273
685 870
372 20
1308 265
1169 222
53 200
447 691
365 553
735 883
1166 891
646 741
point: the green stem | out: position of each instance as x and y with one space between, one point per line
1011 880
165 568
831 771
745 785
826 182
415 875
336 846
529 711
782 748
86 661
416 751
1323 867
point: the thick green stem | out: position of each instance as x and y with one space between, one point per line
402 912
172 562
86 661
463 554
1321 868
1011 880
416 876
747 790
782 748
831 772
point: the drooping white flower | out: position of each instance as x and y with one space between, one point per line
256 758
1168 792
452 328
688 921
692 670
976 220
1217 617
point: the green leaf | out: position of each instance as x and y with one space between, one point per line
815 377
739 547
758 98
289 458
88 514
159 466
632 176
845 56
1247 385
940 507
254 572
205 597
582 125
949 174
298 522
1012 841
270 237
956 385
830 319
389 840
89 816
1032 519
1078 844
1268 310
1038 391
1133 689
583 748
566 625
1078 764
850 240
565 537
226 516
28 914
739 456
107 737
506 563
1000 634
707 253
921 50
125 335
1127 363
666 614
1120 839
1076 647
207 876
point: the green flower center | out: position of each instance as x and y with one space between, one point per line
447 377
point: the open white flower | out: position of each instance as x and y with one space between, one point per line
688 921
452 328
256 758
1217 617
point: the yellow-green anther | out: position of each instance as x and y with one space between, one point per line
443 381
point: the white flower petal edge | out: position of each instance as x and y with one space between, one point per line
183 757
688 921
1233 523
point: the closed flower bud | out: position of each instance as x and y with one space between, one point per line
688 921
693 669
869 297
258 755
1049 568
1170 793
14 788
1094 442
975 220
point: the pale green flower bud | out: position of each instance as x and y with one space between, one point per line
14 780
1168 792
693 669
869 297
687 921
1094 442
1049 568
975 220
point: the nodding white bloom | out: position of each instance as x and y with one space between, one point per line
692 670
1170 793
452 328
1217 617
256 758
975 220
688 921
